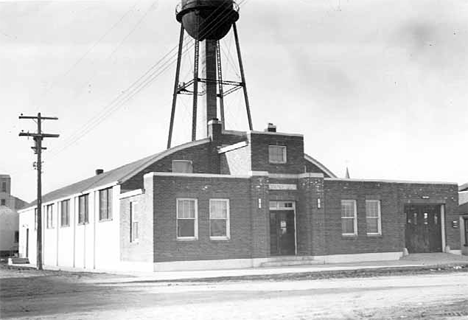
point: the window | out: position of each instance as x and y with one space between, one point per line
105 204
277 154
348 218
50 216
3 202
4 187
182 166
133 222
219 219
373 220
187 227
83 209
16 236
65 213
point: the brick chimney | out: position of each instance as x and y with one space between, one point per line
214 129
271 128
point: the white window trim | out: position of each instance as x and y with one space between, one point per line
285 153
355 233
379 224
228 224
195 237
49 216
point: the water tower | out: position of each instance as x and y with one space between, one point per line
207 22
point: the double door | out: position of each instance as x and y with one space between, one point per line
423 232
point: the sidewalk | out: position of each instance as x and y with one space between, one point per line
411 261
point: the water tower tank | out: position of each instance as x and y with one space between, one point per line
207 19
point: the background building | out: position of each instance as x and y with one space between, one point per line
463 200
9 218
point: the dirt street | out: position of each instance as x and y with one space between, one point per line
62 295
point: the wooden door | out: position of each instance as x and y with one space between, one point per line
423 232
282 232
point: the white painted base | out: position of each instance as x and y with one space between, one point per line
457 252
360 257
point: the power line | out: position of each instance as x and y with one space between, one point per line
77 62
129 93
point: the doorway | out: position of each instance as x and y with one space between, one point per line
282 228
423 232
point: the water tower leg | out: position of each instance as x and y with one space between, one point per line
176 86
195 90
244 85
220 85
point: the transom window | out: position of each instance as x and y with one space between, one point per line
277 154
105 204
83 207
65 213
187 224
50 216
219 219
348 218
373 219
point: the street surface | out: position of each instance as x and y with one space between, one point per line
61 295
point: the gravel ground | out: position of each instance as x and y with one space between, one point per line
426 293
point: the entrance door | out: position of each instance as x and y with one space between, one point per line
423 228
282 228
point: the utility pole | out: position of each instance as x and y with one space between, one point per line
38 137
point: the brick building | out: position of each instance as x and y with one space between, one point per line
463 209
237 199
9 218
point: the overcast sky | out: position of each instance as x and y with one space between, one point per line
376 86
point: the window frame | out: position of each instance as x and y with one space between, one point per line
67 213
133 221
49 209
355 226
284 152
105 212
83 217
195 224
379 218
228 222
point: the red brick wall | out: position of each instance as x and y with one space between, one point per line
393 197
242 244
259 143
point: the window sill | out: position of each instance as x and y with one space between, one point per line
374 235
220 238
67 226
349 236
135 242
187 239
105 220
83 223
